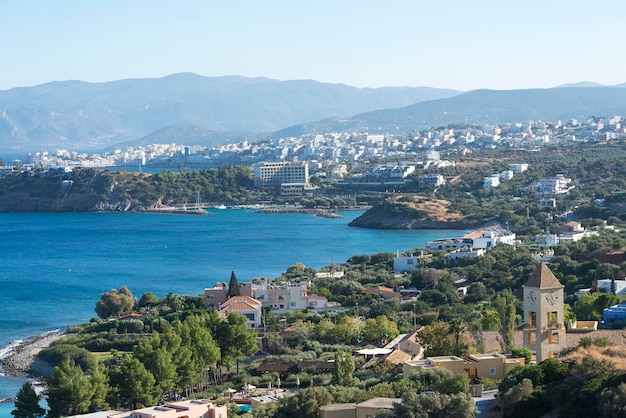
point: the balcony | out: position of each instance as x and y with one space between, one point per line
530 327
553 325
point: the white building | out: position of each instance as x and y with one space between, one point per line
290 296
405 263
432 180
491 181
490 239
276 173
605 285
547 239
551 186
472 241
518 168
456 254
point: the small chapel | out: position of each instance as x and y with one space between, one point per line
544 320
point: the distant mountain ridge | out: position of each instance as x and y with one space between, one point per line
80 115
192 109
481 107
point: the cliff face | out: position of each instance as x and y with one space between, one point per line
411 213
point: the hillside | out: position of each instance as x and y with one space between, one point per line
86 189
80 115
411 213
482 107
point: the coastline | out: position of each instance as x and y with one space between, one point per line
20 357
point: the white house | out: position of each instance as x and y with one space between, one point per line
491 181
490 239
460 253
518 168
605 285
551 186
547 239
405 263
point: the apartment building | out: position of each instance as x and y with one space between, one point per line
268 174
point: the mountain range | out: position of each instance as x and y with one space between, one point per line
193 109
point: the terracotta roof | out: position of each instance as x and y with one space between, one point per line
378 289
474 234
240 301
239 307
316 297
398 357
543 278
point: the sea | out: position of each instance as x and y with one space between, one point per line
55 266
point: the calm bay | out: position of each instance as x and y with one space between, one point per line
54 266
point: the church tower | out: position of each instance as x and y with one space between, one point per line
544 329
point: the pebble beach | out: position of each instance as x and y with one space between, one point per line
20 357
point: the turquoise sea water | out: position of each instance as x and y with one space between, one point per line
53 267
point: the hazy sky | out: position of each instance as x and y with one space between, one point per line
461 44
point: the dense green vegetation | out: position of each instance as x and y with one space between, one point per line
175 347
597 172
590 387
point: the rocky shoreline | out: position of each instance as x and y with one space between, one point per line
20 358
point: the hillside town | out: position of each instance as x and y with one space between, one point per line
335 155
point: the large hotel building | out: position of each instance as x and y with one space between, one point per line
275 174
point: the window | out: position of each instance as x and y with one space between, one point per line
532 337
532 319
553 338
552 319
261 297
492 371
292 304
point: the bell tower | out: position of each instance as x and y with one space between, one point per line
544 329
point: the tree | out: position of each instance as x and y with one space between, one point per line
147 300
235 339
115 302
523 352
158 360
512 397
69 390
27 403
505 304
135 384
233 286
435 405
205 353
99 380
612 401
379 328
305 404
436 339
343 368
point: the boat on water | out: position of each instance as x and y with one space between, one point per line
220 207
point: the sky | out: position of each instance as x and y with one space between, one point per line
461 44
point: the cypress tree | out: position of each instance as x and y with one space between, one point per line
233 285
